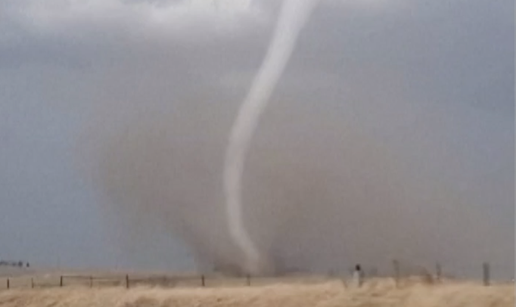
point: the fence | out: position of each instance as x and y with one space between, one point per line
128 281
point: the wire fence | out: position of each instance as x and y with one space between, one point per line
129 281
398 273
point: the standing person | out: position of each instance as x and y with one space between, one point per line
357 276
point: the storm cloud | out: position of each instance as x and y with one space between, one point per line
390 134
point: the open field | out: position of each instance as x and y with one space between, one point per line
375 292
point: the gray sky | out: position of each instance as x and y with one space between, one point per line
420 89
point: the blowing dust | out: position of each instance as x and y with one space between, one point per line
323 187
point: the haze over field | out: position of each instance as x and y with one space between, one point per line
390 134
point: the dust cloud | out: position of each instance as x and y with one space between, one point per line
361 170
319 194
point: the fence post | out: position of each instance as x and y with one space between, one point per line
203 281
486 273
438 271
396 267
248 279
32 283
127 281
61 281
8 283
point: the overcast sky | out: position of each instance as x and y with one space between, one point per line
431 82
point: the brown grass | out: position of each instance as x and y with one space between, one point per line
379 292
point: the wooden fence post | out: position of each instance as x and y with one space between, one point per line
396 267
438 271
32 283
248 279
127 281
8 283
61 281
203 281
486 273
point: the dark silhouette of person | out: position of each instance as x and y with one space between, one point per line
357 276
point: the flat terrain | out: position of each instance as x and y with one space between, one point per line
376 292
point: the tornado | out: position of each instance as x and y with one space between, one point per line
292 17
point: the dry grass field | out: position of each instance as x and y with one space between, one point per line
375 292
